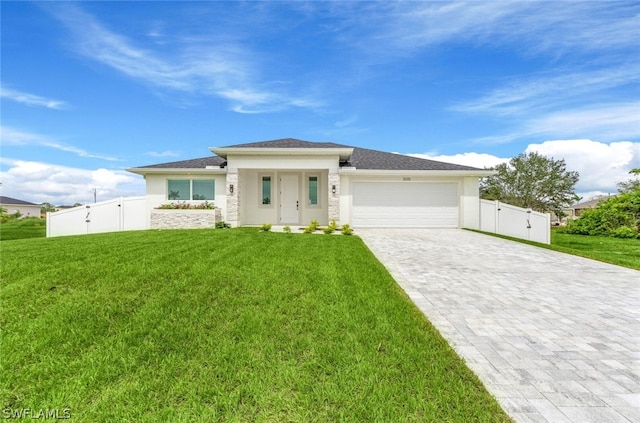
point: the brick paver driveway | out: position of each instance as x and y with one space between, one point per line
554 337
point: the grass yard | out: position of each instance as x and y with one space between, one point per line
29 227
623 252
226 325
619 251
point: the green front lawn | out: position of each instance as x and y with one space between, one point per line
29 227
620 251
224 325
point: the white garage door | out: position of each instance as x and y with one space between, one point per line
405 204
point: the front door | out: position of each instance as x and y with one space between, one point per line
289 199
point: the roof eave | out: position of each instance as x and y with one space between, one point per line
481 173
343 153
213 170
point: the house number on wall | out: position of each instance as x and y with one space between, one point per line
406 179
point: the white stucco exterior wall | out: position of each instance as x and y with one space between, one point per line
24 209
235 162
470 203
157 189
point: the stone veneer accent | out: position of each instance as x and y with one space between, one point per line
233 200
334 199
184 219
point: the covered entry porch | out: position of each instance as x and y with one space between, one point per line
283 197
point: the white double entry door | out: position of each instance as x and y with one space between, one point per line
289 184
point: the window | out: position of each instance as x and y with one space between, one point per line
187 189
203 189
266 190
179 189
313 190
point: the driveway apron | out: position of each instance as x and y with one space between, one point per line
554 337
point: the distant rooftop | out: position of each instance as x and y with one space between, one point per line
9 200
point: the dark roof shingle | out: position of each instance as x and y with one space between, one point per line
200 163
288 143
9 200
362 158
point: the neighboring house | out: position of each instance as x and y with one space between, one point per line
25 208
576 210
292 182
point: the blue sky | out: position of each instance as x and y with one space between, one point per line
92 88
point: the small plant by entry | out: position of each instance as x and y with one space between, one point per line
313 226
346 229
331 227
266 227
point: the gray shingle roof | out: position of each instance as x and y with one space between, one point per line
9 200
591 203
288 143
362 158
200 163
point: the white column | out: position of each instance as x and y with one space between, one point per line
233 199
334 198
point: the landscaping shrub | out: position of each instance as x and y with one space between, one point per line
266 227
187 206
617 216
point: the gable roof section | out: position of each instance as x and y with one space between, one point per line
361 158
14 201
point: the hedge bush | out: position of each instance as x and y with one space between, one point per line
617 216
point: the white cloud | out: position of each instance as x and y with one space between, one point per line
31 99
547 27
11 136
346 122
603 121
166 153
548 91
601 165
197 67
479 160
39 182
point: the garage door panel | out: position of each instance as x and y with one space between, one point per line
393 204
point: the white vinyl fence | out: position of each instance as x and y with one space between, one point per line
505 219
121 214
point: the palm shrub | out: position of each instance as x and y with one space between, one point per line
346 229
313 226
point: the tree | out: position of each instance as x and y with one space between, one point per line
47 207
630 185
534 181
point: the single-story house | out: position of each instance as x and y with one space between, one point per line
292 182
576 210
25 208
